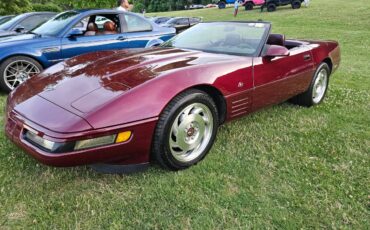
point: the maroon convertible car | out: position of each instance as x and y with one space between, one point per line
119 110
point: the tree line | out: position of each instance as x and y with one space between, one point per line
8 7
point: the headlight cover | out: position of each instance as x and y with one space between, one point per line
47 145
55 147
33 137
95 142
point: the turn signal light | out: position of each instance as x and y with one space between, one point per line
123 136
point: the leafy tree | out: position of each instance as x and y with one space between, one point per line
14 6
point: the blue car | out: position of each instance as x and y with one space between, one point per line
70 34
4 19
24 22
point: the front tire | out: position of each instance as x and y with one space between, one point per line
15 70
248 6
271 7
296 4
316 93
186 130
222 5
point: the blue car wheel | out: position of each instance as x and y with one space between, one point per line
16 70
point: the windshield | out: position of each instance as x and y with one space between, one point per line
171 21
55 25
7 25
233 38
4 19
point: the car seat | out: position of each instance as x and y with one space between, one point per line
110 28
276 39
92 29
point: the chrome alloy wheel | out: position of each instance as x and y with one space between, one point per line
320 85
18 72
191 132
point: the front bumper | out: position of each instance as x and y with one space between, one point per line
134 151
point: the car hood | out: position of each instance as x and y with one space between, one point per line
17 40
4 33
84 84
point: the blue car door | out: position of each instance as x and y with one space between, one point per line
138 31
96 34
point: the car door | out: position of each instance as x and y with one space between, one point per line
76 45
280 78
137 31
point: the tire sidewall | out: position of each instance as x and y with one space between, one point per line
271 7
296 4
174 112
5 64
248 6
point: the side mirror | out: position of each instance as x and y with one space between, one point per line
19 29
75 32
276 51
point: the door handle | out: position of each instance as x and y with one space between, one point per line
121 38
307 57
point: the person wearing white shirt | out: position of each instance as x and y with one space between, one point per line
123 5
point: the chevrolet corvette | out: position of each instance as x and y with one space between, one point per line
120 110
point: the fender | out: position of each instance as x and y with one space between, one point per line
15 51
154 42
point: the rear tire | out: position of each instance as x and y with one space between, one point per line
185 131
221 5
296 4
15 70
248 6
271 7
316 93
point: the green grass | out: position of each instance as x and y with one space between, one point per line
283 167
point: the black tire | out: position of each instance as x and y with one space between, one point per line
271 7
296 4
221 5
4 65
249 6
161 150
307 98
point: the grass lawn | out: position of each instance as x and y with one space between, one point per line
283 167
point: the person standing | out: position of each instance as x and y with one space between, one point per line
236 8
264 4
123 5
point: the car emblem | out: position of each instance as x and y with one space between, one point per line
240 84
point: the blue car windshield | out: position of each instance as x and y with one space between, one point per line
4 19
55 25
234 38
7 25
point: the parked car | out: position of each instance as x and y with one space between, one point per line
222 3
24 23
73 33
160 20
211 5
4 19
250 4
181 23
272 4
166 103
196 6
